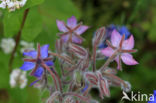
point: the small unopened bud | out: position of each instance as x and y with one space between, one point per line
126 86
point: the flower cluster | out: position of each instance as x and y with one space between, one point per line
79 72
18 78
7 45
12 5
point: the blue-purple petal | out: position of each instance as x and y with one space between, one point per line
39 72
27 66
85 88
124 31
34 82
32 54
44 51
49 63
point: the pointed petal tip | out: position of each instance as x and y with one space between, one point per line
61 25
128 59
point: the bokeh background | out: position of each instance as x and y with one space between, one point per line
138 15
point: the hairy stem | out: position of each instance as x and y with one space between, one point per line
52 74
59 80
109 60
17 39
78 96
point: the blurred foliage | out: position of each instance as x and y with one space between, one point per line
138 15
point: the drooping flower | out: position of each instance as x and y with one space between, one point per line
18 77
97 80
71 30
123 47
12 5
38 58
7 45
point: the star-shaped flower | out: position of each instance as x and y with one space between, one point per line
123 47
109 29
71 30
38 58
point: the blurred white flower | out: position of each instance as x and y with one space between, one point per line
26 46
7 45
12 5
18 78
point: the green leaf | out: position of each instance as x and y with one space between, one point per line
18 95
12 22
51 10
32 26
31 3
152 35
4 72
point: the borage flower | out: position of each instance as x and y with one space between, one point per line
121 29
38 57
122 48
71 30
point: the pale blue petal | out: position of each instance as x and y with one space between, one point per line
49 63
38 72
27 66
44 51
32 54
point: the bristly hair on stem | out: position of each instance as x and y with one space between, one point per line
79 73
98 37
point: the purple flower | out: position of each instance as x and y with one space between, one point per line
71 30
153 101
121 29
124 48
38 57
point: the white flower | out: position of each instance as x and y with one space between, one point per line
22 3
12 5
7 45
2 4
26 46
18 77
